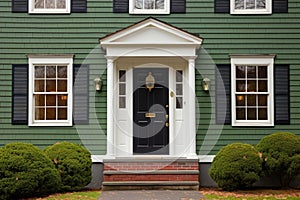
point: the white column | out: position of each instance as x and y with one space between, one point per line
192 108
110 108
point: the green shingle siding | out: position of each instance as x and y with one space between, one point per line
78 34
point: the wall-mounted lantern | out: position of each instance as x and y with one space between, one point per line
98 84
206 84
150 82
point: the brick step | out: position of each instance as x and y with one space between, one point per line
151 177
134 185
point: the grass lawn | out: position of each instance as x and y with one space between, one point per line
210 194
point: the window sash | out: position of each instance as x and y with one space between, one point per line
245 9
34 9
134 10
260 100
59 111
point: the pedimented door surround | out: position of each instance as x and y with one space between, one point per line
151 44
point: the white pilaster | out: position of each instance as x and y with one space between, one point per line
110 108
192 108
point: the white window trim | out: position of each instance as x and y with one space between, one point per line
33 10
268 9
46 60
267 60
132 10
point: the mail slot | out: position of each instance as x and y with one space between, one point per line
150 115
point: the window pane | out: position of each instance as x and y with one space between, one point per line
122 76
178 75
50 3
240 71
262 72
159 4
51 86
251 72
179 102
122 102
39 86
251 113
262 100
250 4
251 86
240 86
51 72
262 114
39 71
148 4
50 114
138 4
260 4
62 72
251 100
51 100
62 86
122 89
39 100
62 100
178 89
62 114
61 4
239 4
240 114
240 100
39 114
263 86
39 4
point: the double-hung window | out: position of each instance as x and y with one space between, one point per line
49 6
50 91
149 6
252 90
251 6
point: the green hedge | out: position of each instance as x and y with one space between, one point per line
236 166
25 171
73 163
281 156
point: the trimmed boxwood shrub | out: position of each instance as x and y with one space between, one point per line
281 156
73 163
236 166
25 171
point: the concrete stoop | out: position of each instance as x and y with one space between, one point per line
130 174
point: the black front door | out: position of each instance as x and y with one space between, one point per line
151 111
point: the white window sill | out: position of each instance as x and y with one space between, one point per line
50 11
251 12
145 12
56 123
252 123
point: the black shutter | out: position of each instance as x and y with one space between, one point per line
19 6
81 94
20 94
223 102
280 6
78 6
222 6
121 6
178 6
282 94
